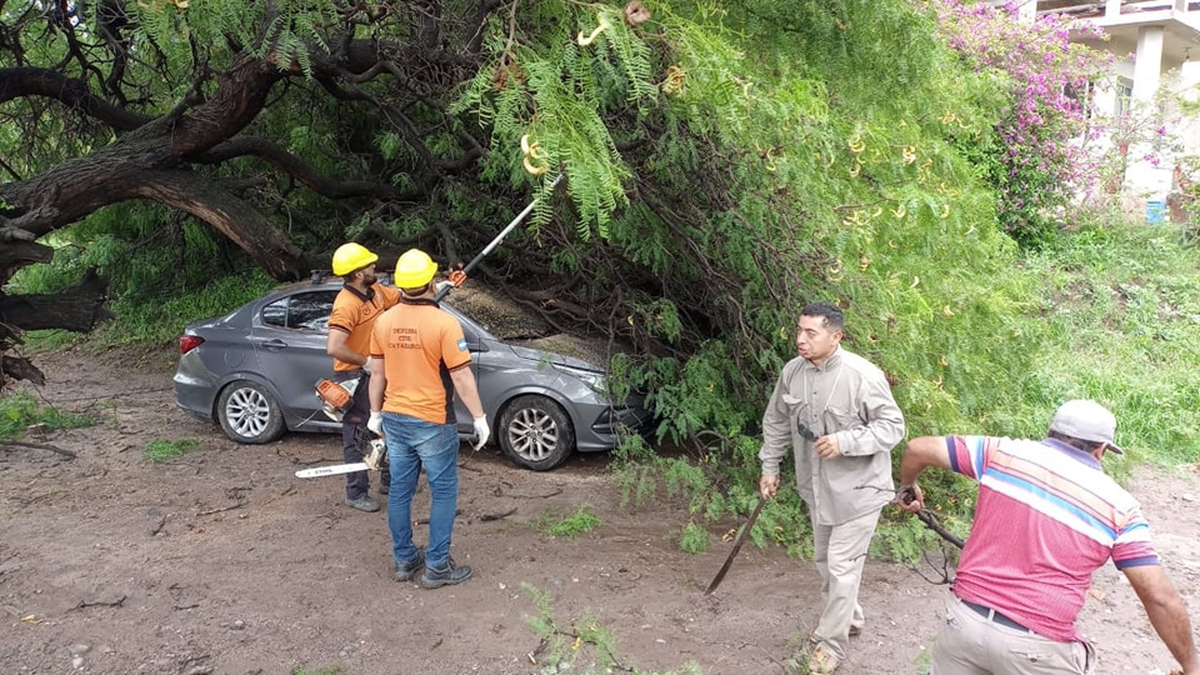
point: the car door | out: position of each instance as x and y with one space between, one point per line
477 345
289 338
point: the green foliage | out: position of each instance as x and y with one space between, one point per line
551 90
19 411
162 272
581 521
584 647
161 449
1123 307
726 163
694 538
328 670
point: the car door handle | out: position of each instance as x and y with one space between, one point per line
275 344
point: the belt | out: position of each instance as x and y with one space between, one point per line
994 616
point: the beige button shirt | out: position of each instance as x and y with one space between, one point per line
848 396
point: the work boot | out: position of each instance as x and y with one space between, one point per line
821 661
363 503
445 576
384 487
407 570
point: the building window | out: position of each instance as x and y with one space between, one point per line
1124 95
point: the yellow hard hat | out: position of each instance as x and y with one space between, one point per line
350 258
414 269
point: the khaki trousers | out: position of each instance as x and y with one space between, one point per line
839 552
972 644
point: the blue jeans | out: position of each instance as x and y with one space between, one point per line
414 443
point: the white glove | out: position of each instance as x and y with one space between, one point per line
375 423
367 366
443 285
482 431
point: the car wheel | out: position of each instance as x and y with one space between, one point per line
535 433
249 414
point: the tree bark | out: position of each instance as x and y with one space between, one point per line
147 162
78 308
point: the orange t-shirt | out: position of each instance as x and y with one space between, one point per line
420 345
355 314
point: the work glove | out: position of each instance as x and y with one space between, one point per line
482 431
375 423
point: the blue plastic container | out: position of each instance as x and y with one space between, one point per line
1156 212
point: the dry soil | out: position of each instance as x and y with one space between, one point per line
221 561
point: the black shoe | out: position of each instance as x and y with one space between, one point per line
446 576
406 571
363 503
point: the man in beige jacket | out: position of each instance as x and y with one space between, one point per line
836 411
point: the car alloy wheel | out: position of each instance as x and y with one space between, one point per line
535 433
249 414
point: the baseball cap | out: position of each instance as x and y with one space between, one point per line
1088 421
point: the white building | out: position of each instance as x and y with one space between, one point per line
1155 45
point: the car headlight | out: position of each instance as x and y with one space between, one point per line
594 380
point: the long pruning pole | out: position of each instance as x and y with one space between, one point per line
459 276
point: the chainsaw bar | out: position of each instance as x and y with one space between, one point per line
332 470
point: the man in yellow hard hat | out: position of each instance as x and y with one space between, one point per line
361 301
419 362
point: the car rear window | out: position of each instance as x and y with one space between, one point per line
303 311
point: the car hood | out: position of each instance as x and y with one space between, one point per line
563 350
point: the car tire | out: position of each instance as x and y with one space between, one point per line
249 414
535 433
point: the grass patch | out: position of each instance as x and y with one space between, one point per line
20 411
571 525
161 450
50 340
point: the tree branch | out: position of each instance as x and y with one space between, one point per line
305 173
73 93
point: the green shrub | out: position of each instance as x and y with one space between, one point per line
585 647
694 538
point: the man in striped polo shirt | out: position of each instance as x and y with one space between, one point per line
1046 518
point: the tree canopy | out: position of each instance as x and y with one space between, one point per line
724 163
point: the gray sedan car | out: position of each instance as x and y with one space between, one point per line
254 370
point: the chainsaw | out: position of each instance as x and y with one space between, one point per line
336 397
371 460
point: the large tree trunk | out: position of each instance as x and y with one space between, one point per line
150 162
78 309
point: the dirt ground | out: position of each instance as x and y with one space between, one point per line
221 561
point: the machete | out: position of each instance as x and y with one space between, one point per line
737 546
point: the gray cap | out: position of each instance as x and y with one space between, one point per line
1087 421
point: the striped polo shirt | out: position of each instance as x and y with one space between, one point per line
1047 518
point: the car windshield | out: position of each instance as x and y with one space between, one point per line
309 310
